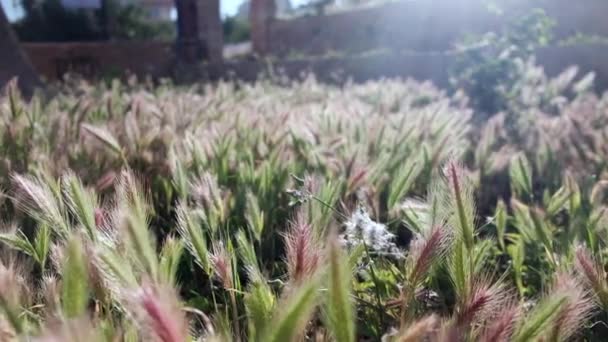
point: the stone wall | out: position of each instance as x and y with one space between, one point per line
433 67
96 59
157 60
429 25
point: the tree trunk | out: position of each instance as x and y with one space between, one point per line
210 28
189 45
261 14
13 61
199 31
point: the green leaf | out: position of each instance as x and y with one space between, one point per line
517 253
75 280
137 235
575 193
558 201
459 269
19 242
523 221
105 137
402 181
43 202
480 254
170 256
339 311
246 250
293 314
260 302
462 204
540 318
322 209
116 269
500 217
189 227
180 178
12 312
520 173
42 244
38 251
82 203
254 216
543 233
355 255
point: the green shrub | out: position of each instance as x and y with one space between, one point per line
489 71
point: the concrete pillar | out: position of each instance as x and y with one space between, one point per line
199 31
261 14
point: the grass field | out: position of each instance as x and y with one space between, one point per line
290 211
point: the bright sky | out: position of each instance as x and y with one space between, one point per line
12 11
228 7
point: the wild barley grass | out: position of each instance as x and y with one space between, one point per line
302 211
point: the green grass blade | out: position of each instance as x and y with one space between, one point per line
254 216
293 314
403 181
500 217
81 203
75 281
520 173
539 319
246 250
104 136
260 302
18 241
339 311
170 256
189 227
42 244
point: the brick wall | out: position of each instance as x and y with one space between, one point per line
424 25
96 59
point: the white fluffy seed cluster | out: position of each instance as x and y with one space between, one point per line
360 228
